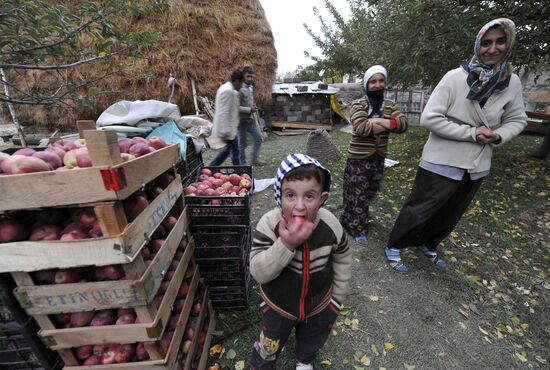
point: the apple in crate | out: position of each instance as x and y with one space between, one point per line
157 142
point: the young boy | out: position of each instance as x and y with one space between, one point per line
301 258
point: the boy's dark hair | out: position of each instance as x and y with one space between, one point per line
237 75
308 171
248 69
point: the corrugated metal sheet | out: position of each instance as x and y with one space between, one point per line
303 88
539 96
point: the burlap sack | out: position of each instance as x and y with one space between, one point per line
321 147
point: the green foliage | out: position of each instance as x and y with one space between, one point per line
48 38
420 40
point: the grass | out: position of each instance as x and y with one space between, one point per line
489 309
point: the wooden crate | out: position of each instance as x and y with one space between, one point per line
121 245
168 362
100 295
142 332
109 179
190 358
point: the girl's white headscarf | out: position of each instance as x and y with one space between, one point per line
372 71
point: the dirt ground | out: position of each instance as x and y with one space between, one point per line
427 319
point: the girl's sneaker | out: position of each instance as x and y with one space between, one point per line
434 258
362 240
300 366
393 257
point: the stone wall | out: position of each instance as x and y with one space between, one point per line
305 108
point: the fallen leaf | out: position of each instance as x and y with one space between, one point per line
231 354
344 311
327 362
374 350
373 298
522 356
239 365
409 367
345 361
365 360
388 346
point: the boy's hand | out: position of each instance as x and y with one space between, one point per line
295 232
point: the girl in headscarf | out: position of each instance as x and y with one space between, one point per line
372 118
472 110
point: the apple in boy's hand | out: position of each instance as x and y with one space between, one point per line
295 231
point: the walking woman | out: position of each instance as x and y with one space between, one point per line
372 118
472 110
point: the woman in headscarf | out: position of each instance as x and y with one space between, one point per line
372 118
472 110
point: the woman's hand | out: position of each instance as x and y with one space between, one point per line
383 122
485 135
295 232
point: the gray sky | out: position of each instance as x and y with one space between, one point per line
286 18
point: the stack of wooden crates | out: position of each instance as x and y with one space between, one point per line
104 186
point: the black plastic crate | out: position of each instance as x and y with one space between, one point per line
229 271
220 241
225 298
20 347
222 210
193 160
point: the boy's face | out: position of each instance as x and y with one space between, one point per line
302 198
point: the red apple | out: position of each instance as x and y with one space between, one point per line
83 352
140 149
206 171
67 276
141 140
184 290
45 232
157 142
57 150
51 158
141 352
124 144
27 152
246 184
44 276
125 353
92 360
114 272
234 179
190 190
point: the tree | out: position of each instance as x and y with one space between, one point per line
420 40
39 37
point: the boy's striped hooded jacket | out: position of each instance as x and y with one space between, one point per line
299 284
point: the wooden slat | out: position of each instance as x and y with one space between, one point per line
302 125
120 249
103 147
112 217
82 186
195 341
83 125
206 346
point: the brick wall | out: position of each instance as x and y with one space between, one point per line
305 108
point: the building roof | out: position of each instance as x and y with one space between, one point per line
539 96
303 88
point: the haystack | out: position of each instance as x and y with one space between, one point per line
203 40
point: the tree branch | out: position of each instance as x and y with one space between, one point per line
70 35
62 66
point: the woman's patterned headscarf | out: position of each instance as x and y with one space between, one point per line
483 78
